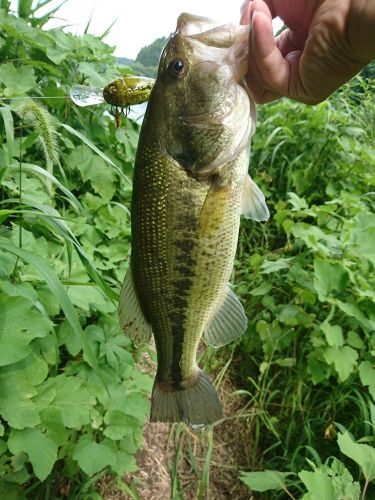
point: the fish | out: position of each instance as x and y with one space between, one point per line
190 186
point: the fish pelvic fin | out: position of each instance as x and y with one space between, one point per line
227 323
131 317
197 404
253 203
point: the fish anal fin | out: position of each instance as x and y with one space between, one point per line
227 323
197 404
253 203
131 317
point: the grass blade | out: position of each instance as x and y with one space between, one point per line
9 130
203 485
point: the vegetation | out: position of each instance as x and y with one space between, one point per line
308 283
72 402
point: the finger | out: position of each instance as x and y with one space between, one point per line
273 68
271 7
249 7
288 41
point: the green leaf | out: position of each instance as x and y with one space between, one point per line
17 80
41 450
262 289
344 359
272 266
319 485
266 480
329 277
70 398
119 425
353 311
333 334
20 323
367 376
33 368
93 457
96 150
16 405
51 418
362 454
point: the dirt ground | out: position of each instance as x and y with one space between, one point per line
172 462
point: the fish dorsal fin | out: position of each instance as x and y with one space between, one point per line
253 203
131 317
228 321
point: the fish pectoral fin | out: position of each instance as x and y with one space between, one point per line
131 317
253 203
227 323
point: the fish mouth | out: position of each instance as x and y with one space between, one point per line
229 43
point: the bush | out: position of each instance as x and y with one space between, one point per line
71 402
307 278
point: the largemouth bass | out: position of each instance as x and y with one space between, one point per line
190 187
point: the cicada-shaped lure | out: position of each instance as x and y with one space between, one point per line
122 93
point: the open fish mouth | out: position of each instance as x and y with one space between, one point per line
231 40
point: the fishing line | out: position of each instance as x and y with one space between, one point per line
35 97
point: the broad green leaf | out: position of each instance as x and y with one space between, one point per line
41 450
367 376
71 399
266 480
93 457
319 485
1 429
93 169
55 429
17 80
344 359
86 296
262 289
353 311
124 462
333 334
119 425
20 323
362 454
329 277
33 368
16 405
85 140
272 266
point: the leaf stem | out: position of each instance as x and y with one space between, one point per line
365 489
289 493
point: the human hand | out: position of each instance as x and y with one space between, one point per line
327 42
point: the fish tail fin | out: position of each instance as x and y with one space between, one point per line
197 404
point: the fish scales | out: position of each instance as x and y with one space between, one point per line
189 182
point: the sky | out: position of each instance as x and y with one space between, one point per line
139 22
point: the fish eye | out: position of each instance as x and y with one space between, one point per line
177 68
